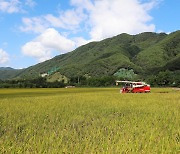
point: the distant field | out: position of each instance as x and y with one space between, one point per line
89 120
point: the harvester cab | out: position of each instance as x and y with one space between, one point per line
134 87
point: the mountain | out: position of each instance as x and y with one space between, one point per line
8 73
5 68
144 53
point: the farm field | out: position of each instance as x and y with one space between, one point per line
89 120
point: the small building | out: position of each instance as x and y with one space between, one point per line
44 75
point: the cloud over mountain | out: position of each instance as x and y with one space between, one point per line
97 19
100 19
43 46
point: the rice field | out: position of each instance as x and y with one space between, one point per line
89 120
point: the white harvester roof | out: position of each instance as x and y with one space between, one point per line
136 84
117 81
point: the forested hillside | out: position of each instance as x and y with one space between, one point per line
145 53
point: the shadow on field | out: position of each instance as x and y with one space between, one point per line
164 90
13 93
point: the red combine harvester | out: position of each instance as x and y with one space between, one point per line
134 87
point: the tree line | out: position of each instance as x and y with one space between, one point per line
162 79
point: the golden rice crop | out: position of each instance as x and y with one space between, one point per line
89 120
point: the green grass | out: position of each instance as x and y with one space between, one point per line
91 120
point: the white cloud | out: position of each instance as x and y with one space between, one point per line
35 24
30 3
43 46
83 4
68 20
72 18
37 50
111 17
15 6
53 39
4 57
101 18
52 20
10 6
80 41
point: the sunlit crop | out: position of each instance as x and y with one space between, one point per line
89 120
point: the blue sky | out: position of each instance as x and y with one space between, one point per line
34 31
